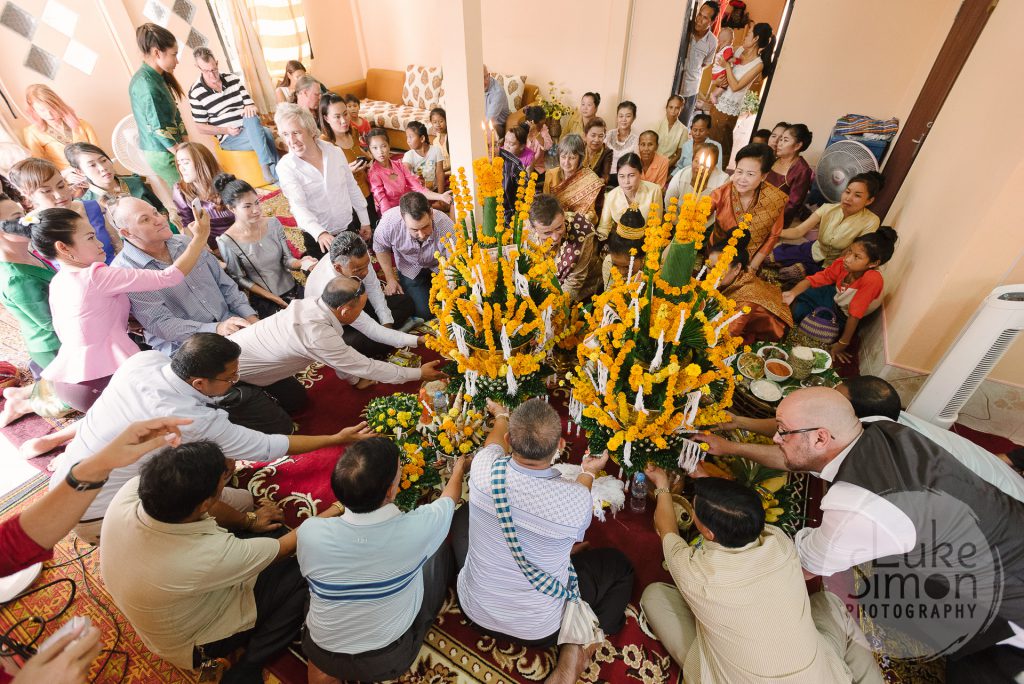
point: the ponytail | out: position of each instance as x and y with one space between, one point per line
149 36
766 44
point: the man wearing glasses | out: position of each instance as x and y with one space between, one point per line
313 330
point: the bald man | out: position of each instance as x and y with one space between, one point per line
903 501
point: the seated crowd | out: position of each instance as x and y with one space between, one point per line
178 330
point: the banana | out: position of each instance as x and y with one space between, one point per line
774 484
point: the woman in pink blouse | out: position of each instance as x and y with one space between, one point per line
89 300
389 180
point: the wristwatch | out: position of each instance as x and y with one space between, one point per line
80 486
250 521
661 490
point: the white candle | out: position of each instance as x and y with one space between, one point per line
682 321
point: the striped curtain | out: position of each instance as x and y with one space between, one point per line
281 25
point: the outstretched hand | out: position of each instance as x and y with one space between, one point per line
65 661
139 439
354 433
717 446
657 475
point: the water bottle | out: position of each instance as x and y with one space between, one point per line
440 403
638 493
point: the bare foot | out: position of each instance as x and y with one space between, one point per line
37 446
573 659
364 383
16 404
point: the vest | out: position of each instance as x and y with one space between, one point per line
969 550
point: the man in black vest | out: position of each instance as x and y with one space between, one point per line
948 565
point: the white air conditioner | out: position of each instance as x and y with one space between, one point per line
967 363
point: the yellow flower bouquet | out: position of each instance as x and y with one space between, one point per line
397 417
653 366
500 309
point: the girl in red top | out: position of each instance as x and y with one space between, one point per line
851 286
359 125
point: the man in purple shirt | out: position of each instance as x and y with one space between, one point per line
405 242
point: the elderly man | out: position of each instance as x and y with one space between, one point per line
321 190
495 104
552 515
149 384
407 238
307 96
193 591
576 256
905 502
349 256
208 300
373 596
740 589
221 107
312 330
701 46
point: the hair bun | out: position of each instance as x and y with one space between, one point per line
879 177
222 180
888 233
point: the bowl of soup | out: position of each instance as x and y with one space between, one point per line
778 370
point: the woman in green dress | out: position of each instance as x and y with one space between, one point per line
154 93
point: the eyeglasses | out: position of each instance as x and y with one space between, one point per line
231 380
361 290
783 433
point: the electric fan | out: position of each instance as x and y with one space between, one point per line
125 143
840 162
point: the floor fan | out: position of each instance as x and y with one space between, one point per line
125 143
840 162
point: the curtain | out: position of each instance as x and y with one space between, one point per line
251 58
281 26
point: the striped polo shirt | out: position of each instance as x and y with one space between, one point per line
365 573
550 515
222 108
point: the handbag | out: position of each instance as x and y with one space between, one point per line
821 325
264 307
579 623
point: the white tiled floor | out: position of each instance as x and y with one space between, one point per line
13 469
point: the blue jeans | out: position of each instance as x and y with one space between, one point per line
418 289
256 138
688 103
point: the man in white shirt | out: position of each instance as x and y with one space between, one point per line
314 176
681 184
349 256
150 385
551 515
700 53
377 576
312 330
904 502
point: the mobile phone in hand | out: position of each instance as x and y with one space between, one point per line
197 208
68 627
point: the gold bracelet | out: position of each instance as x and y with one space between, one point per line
339 506
661 490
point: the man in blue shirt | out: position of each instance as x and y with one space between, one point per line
495 104
377 577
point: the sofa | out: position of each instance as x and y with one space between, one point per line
391 98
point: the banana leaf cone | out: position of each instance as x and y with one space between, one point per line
677 269
490 217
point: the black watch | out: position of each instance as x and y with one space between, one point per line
80 486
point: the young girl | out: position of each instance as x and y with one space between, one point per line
97 169
255 252
439 129
851 286
838 225
198 167
538 139
389 180
293 71
671 131
623 140
359 125
154 94
338 130
42 185
631 190
424 159
777 132
518 158
89 304
791 173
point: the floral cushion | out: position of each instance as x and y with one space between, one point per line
389 115
422 86
514 87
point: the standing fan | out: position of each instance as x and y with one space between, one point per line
125 142
842 161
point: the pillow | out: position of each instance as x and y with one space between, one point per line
422 86
514 87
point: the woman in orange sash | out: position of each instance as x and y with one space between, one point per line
577 188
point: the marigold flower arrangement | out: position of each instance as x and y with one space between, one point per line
499 306
653 367
397 417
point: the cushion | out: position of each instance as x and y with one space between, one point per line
389 115
422 86
514 87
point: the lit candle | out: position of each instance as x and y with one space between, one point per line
491 137
487 139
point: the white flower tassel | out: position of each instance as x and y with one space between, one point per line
690 455
548 330
682 322
638 405
658 352
692 404
703 270
606 491
459 335
522 283
510 380
575 408
602 377
627 454
636 312
725 323
471 378
506 343
629 273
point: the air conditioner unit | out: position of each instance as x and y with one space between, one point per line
967 363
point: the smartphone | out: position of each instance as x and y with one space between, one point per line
70 626
197 208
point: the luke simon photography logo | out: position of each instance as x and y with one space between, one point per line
933 599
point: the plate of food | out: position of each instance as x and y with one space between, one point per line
770 351
766 390
750 366
822 360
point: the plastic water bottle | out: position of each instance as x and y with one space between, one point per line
440 402
638 493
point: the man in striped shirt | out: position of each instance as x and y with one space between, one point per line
221 107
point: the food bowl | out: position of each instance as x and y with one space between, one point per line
750 366
777 370
770 351
766 390
822 360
